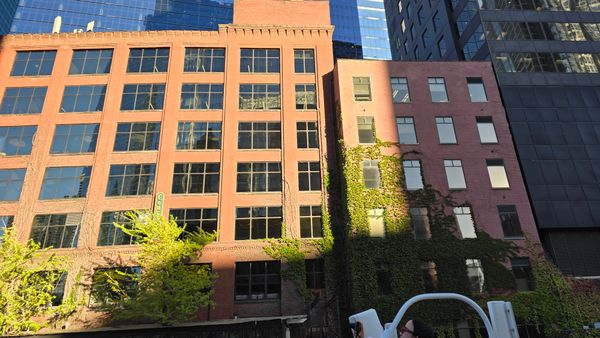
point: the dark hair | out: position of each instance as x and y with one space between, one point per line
422 330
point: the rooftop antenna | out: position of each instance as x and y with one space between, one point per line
90 26
57 24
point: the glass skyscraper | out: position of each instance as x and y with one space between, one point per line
37 16
360 29
546 56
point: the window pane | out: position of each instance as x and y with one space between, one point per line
406 130
454 174
476 90
485 127
445 128
497 173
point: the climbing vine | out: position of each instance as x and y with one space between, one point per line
387 271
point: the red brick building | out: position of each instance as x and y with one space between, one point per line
449 122
224 130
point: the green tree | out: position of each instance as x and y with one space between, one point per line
28 277
168 289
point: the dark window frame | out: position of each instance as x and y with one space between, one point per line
267 277
255 174
199 135
57 178
253 223
13 103
204 60
309 176
21 135
304 61
259 133
65 140
88 62
46 227
311 221
120 173
196 178
510 222
34 66
203 96
85 99
307 134
193 219
143 97
259 60
129 134
148 57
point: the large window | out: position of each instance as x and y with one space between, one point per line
257 280
511 225
258 176
130 179
143 96
476 89
497 173
103 293
259 60
485 127
475 275
201 96
196 178
311 224
259 135
315 273
437 88
258 223
419 218
376 222
546 62
83 99
204 60
137 136
362 88
306 97
56 230
521 268
413 178
148 60
454 174
34 63
23 100
406 130
366 129
196 219
464 219
309 176
75 138
400 93
259 96
371 176
304 60
65 182
307 135
11 183
16 140
109 233
91 61
195 135
445 129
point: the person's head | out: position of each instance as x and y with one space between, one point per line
416 329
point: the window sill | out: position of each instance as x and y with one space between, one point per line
277 110
128 196
89 74
457 189
133 151
175 194
216 110
500 188
71 154
198 150
257 192
133 73
260 149
514 238
486 143
407 102
203 72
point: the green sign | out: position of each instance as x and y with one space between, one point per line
159 203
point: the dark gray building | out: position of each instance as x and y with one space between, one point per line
546 55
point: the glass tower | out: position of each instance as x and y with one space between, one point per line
546 55
361 29
37 16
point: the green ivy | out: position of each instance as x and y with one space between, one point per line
398 256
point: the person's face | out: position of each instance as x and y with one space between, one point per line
409 327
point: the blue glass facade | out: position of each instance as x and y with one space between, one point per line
360 29
7 13
37 16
